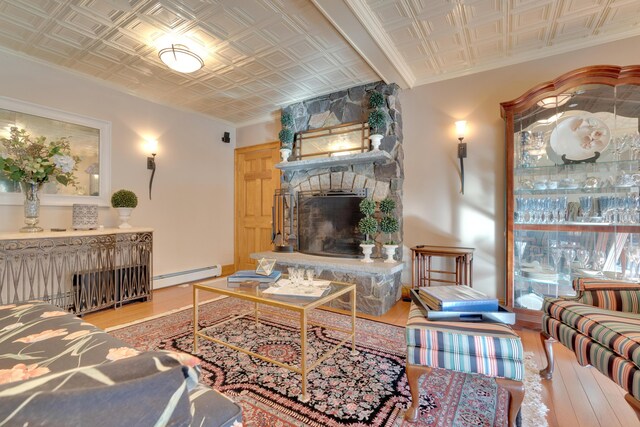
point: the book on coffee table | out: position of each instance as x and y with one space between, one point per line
244 275
459 298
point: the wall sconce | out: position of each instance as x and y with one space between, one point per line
152 147
461 128
180 58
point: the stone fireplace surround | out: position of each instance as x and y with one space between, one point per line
378 284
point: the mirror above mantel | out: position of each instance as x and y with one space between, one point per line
90 141
332 141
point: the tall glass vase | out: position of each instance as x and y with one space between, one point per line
31 206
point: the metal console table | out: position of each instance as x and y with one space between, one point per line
423 272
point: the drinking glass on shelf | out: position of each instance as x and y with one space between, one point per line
586 203
569 255
583 257
520 247
556 254
599 258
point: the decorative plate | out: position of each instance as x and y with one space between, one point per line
580 138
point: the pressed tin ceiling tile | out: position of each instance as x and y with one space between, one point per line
267 53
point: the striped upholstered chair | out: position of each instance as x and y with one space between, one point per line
490 349
602 327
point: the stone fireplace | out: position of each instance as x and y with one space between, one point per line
328 191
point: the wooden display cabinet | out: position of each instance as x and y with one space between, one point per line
573 176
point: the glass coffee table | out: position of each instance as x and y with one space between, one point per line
298 306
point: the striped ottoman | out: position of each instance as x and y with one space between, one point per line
491 349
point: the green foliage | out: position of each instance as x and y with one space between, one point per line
368 225
387 206
24 158
376 100
286 120
367 207
124 199
286 138
389 224
377 121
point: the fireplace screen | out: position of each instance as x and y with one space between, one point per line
328 223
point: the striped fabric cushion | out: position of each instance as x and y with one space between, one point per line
615 330
610 295
589 352
490 349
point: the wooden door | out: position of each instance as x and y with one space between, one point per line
256 179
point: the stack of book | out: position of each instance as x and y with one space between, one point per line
234 280
457 298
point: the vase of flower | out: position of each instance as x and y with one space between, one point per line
31 206
390 251
32 161
367 250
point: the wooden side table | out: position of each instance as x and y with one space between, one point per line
423 273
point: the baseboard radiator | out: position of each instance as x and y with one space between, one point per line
177 278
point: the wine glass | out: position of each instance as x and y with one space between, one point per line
556 254
599 258
583 257
569 255
520 247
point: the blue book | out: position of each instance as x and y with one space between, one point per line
457 298
243 275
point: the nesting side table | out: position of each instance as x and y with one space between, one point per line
423 273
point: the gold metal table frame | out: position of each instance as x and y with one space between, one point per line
296 305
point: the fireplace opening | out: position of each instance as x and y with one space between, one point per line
328 223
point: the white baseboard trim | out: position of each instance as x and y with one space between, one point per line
171 279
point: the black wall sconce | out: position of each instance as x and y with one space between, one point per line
461 128
226 137
152 147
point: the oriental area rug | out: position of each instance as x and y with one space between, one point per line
367 389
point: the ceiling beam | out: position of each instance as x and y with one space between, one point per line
355 21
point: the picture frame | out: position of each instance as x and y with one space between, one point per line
90 140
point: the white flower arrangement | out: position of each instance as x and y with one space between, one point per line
23 159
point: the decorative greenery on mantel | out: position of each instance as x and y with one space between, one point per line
324 162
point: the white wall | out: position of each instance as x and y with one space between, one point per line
258 133
434 211
192 206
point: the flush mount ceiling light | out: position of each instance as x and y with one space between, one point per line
178 57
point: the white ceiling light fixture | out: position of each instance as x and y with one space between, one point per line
180 58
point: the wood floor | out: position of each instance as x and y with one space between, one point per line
577 396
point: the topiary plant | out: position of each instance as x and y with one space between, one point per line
124 199
377 122
376 100
286 120
286 138
286 135
387 206
368 226
389 223
367 206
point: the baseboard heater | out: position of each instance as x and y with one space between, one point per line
170 279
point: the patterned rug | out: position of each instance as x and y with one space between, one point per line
368 389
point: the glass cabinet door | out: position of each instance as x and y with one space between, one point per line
573 179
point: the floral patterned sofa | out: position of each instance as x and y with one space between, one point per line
602 327
56 369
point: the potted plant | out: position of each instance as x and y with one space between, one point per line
367 226
389 225
286 136
124 201
377 121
